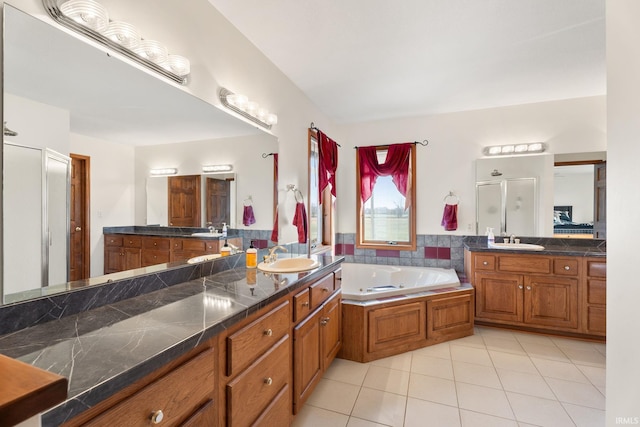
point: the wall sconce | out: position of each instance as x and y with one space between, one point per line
163 172
91 19
504 150
217 168
247 109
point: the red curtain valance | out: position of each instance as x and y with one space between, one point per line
396 164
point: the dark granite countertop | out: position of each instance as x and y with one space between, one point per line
563 247
103 350
159 231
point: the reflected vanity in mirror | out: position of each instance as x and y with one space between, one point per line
66 95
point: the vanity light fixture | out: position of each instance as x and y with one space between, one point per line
91 19
502 150
247 109
217 168
163 172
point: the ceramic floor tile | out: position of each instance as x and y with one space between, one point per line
589 357
386 379
380 407
544 351
478 356
310 416
476 419
470 341
439 350
484 400
602 390
401 362
433 389
539 411
432 366
563 343
347 371
334 396
357 422
533 338
585 417
476 374
596 375
523 383
513 362
496 332
577 393
498 343
562 370
421 413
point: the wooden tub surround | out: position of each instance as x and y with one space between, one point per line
380 328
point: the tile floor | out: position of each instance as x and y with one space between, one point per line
494 378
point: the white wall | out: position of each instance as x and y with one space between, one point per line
112 190
575 190
623 211
456 141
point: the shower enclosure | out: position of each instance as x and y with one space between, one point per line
509 206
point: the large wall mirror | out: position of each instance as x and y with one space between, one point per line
63 95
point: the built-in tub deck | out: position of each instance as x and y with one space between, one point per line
382 323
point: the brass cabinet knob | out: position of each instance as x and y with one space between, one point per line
80 229
520 287
485 262
566 267
305 304
268 332
268 381
324 320
157 417
528 288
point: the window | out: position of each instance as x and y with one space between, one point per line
386 218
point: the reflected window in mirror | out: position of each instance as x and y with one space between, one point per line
321 205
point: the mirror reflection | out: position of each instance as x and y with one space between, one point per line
70 99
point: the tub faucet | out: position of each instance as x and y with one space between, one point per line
272 257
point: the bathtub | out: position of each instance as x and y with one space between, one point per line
362 282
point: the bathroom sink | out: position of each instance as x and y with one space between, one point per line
206 234
517 246
202 258
289 265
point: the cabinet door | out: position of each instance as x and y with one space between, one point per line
112 259
449 317
499 296
132 258
331 323
307 358
551 301
395 327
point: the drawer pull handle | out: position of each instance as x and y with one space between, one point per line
268 381
324 320
268 332
566 267
528 288
485 262
157 417
305 304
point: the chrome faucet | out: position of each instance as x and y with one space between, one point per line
272 257
512 238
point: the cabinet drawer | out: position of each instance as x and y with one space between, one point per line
154 257
253 390
178 395
115 241
565 266
321 290
156 243
596 268
244 346
132 242
279 410
484 262
596 291
176 244
337 283
301 305
524 264
193 245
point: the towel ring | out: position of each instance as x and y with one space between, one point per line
297 193
449 196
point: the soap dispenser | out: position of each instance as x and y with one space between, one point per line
224 230
491 239
251 256
226 250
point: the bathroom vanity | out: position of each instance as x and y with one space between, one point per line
561 289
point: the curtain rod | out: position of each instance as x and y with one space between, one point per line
313 127
265 155
423 143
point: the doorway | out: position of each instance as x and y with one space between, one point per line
79 227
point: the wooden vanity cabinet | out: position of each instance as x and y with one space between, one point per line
122 252
541 292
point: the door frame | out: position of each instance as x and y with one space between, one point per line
86 229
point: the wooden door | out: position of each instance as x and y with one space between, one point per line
218 201
79 254
551 301
307 359
331 322
499 296
600 201
184 201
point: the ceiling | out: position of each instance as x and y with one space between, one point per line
367 60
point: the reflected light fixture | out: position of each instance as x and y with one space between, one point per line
217 168
510 149
91 19
163 171
248 109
